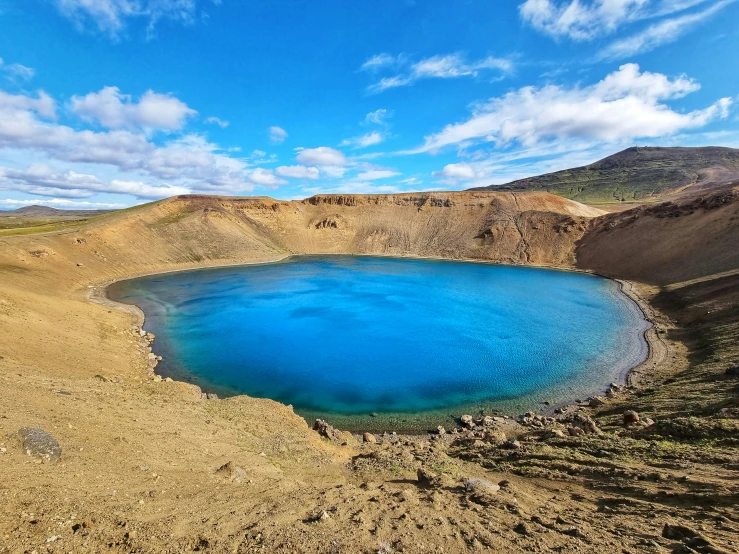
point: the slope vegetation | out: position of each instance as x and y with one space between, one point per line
638 174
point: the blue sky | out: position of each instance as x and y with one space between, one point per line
110 103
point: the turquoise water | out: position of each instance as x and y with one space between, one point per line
412 341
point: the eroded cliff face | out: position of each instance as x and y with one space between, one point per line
666 243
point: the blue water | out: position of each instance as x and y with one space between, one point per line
344 337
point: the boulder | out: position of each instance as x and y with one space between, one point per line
553 434
512 444
40 444
477 485
495 436
631 417
369 437
733 371
596 401
575 431
325 430
467 421
440 430
428 479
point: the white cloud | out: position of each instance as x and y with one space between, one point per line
353 187
218 121
627 104
378 61
11 104
265 178
370 139
456 171
277 135
298 172
40 179
114 110
375 174
581 20
443 67
110 16
190 162
660 33
323 155
60 203
378 117
16 72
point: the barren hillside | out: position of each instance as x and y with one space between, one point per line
154 466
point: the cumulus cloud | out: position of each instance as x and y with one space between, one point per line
114 110
40 179
456 171
277 135
110 16
265 178
626 104
323 155
217 121
189 161
370 139
298 172
443 67
375 174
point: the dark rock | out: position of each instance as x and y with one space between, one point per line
40 444
325 430
631 417
428 479
512 444
733 371
522 529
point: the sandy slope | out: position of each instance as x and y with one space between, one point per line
138 470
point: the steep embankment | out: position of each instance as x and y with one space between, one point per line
694 237
638 174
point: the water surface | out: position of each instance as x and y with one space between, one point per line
413 342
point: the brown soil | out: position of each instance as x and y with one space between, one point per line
139 470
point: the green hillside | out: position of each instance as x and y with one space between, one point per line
637 174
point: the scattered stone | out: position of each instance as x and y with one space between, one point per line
554 434
428 479
369 437
231 472
596 401
631 417
477 485
211 396
512 444
40 444
495 436
467 421
440 430
678 532
79 265
575 431
325 430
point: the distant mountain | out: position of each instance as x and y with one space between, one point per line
637 174
46 211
